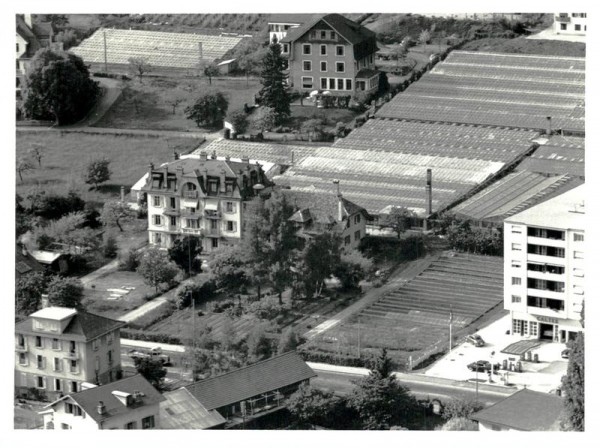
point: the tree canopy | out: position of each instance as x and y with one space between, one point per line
209 109
156 268
58 87
399 220
185 253
151 369
573 385
65 291
28 291
274 92
115 213
97 172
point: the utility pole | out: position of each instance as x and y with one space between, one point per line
199 58
105 54
450 323
359 337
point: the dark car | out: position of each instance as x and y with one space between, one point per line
476 340
482 366
565 353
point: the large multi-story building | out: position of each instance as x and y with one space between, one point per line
570 23
58 349
281 24
544 278
331 53
131 403
202 197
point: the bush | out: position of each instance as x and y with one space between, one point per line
340 359
142 335
222 306
199 291
110 248
111 75
130 262
239 120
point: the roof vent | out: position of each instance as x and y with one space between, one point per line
101 408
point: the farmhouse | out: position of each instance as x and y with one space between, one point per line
200 196
130 403
254 390
331 53
57 349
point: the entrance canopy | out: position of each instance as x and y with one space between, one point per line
521 347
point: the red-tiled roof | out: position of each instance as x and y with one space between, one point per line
88 399
525 410
247 382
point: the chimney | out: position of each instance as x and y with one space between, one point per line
203 157
179 171
151 167
45 301
245 159
222 181
214 154
549 128
122 193
101 408
429 207
227 158
175 155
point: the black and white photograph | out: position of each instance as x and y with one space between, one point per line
298 220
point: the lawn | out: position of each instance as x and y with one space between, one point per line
521 45
154 108
67 154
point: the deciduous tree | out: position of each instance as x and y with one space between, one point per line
116 213
319 260
311 406
460 424
36 151
459 408
288 341
573 386
28 291
185 253
23 165
239 120
209 109
399 220
265 118
151 369
259 345
65 291
97 172
210 71
156 268
139 67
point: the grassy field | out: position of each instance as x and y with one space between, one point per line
67 154
521 45
155 111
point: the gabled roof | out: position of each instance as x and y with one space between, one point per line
84 324
88 399
25 263
181 410
321 207
362 39
525 410
250 381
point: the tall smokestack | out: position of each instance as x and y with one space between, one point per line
549 128
429 207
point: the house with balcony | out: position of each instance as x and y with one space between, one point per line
252 391
316 213
573 23
281 24
331 53
130 403
544 274
31 36
200 196
58 349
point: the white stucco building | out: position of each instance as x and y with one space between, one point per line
570 23
544 275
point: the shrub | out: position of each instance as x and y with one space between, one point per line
142 335
110 248
340 359
239 120
130 261
222 306
199 291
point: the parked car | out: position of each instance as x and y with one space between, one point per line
482 366
476 340
565 353
154 354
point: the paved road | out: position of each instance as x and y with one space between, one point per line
145 308
399 277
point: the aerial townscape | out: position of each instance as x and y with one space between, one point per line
334 221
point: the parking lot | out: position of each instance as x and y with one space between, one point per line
542 376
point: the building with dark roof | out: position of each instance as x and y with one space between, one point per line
253 390
130 403
200 196
181 410
333 53
316 213
57 349
25 263
525 410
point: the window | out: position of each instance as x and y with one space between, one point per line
173 202
72 346
156 201
191 223
516 246
307 82
40 362
516 229
231 227
348 84
40 383
339 50
323 50
64 426
357 235
306 66
323 34
131 425
215 243
21 340
17 47
228 187
38 342
286 48
55 344
578 237
57 364
306 49
74 387
578 290
578 272
515 299
71 408
313 34
173 221
73 366
332 35
357 219
213 224
229 208
97 364
148 422
516 280
95 344
563 26
515 264
22 359
533 328
157 238
213 186
340 84
156 220
577 27
578 255
57 384
323 83
110 356
332 83
323 66
340 67
347 240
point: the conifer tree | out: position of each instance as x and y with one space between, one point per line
273 93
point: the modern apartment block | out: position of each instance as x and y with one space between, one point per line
544 275
200 196
570 23
130 403
57 349
331 53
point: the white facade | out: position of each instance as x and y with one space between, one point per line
280 29
544 274
570 23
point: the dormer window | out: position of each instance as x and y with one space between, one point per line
213 186
229 187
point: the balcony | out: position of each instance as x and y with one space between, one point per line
545 293
21 348
191 231
551 242
189 214
73 355
213 232
190 194
562 19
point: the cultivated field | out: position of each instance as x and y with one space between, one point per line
415 317
67 154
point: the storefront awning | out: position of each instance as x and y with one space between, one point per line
190 203
212 204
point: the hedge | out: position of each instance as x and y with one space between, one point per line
339 359
141 335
